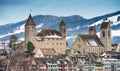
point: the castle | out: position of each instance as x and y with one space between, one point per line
53 42
90 43
46 39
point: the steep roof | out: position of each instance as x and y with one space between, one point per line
91 40
92 28
49 33
92 56
30 21
48 51
13 37
114 45
104 25
62 23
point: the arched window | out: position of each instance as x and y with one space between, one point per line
103 33
109 33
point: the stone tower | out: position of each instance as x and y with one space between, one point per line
105 35
30 31
92 30
62 29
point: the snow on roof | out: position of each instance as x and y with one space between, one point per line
52 36
104 54
58 62
38 38
91 42
109 59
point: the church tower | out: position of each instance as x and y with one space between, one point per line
62 29
92 30
105 35
30 31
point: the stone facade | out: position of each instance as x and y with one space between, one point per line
46 38
105 35
86 43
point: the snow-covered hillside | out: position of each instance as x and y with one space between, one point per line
75 25
114 21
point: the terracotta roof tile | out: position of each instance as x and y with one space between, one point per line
48 51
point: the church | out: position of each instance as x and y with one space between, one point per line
91 43
46 40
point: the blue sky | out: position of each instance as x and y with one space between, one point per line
12 11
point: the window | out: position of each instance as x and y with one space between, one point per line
48 38
108 33
60 43
103 33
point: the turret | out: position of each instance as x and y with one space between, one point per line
30 30
92 30
62 29
105 35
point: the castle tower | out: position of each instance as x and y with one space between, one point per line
105 35
30 30
92 30
62 29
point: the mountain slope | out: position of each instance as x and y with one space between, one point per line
75 25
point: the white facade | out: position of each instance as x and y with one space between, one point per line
111 64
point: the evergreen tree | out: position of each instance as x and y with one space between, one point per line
30 47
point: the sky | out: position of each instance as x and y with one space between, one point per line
12 11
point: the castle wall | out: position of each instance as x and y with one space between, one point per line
59 44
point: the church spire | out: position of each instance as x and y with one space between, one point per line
62 23
30 21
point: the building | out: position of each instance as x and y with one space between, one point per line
13 40
111 64
85 43
105 35
116 47
45 52
46 38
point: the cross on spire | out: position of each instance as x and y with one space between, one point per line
30 10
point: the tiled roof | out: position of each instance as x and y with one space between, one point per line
91 40
92 56
47 32
30 21
104 25
48 51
